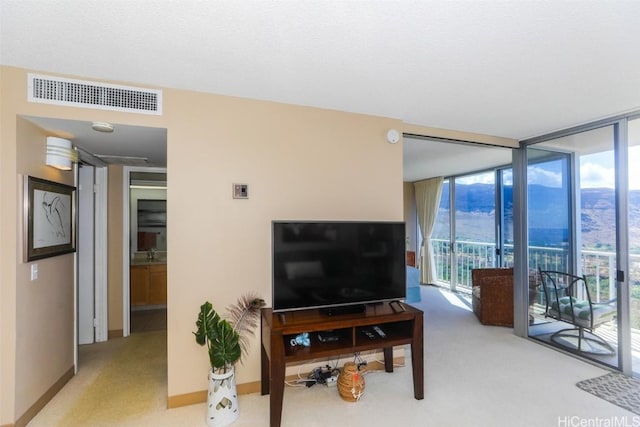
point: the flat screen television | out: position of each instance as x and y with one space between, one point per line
337 264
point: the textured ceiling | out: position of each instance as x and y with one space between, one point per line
507 68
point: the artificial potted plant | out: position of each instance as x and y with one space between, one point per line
227 341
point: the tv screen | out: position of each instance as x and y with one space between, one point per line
339 263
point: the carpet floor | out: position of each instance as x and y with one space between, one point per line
475 375
130 383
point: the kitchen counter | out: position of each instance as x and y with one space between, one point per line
155 261
140 258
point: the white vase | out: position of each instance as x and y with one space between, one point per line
222 399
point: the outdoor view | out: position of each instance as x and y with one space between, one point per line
482 207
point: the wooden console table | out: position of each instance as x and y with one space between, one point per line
400 327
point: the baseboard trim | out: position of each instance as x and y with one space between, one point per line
201 396
44 399
116 333
186 399
252 387
248 388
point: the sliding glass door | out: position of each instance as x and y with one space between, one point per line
572 220
634 241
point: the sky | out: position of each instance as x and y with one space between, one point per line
596 171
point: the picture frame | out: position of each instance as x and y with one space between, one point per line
50 222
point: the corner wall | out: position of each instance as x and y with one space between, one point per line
299 162
36 317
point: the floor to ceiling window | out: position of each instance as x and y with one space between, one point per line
469 228
549 215
476 209
475 224
574 227
504 206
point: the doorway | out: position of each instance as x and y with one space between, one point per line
473 226
145 241
582 193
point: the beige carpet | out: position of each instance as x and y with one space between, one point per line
130 384
475 375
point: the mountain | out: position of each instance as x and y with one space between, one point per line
548 223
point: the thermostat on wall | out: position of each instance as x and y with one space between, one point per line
240 191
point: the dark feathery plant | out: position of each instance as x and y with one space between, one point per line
228 340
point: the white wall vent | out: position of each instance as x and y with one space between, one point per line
85 94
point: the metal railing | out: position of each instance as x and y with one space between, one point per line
598 266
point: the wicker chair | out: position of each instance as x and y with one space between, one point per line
492 295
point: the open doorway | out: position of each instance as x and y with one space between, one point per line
104 156
473 217
147 192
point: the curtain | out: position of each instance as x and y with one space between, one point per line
428 194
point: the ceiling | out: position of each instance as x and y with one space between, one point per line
127 145
514 69
425 158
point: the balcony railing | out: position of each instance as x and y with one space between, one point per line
598 266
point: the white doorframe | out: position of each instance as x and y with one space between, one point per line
100 267
126 247
101 248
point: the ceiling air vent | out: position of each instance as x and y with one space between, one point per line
85 94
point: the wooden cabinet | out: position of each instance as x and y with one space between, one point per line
158 284
401 326
148 284
139 285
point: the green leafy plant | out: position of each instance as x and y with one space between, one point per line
227 340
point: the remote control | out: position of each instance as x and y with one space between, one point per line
368 334
379 331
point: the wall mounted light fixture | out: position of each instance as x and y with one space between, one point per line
60 153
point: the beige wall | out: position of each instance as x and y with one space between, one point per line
32 359
8 235
455 135
299 162
44 307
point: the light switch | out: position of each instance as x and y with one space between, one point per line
240 191
34 271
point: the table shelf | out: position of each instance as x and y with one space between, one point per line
401 327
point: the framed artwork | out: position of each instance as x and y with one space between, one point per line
49 218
